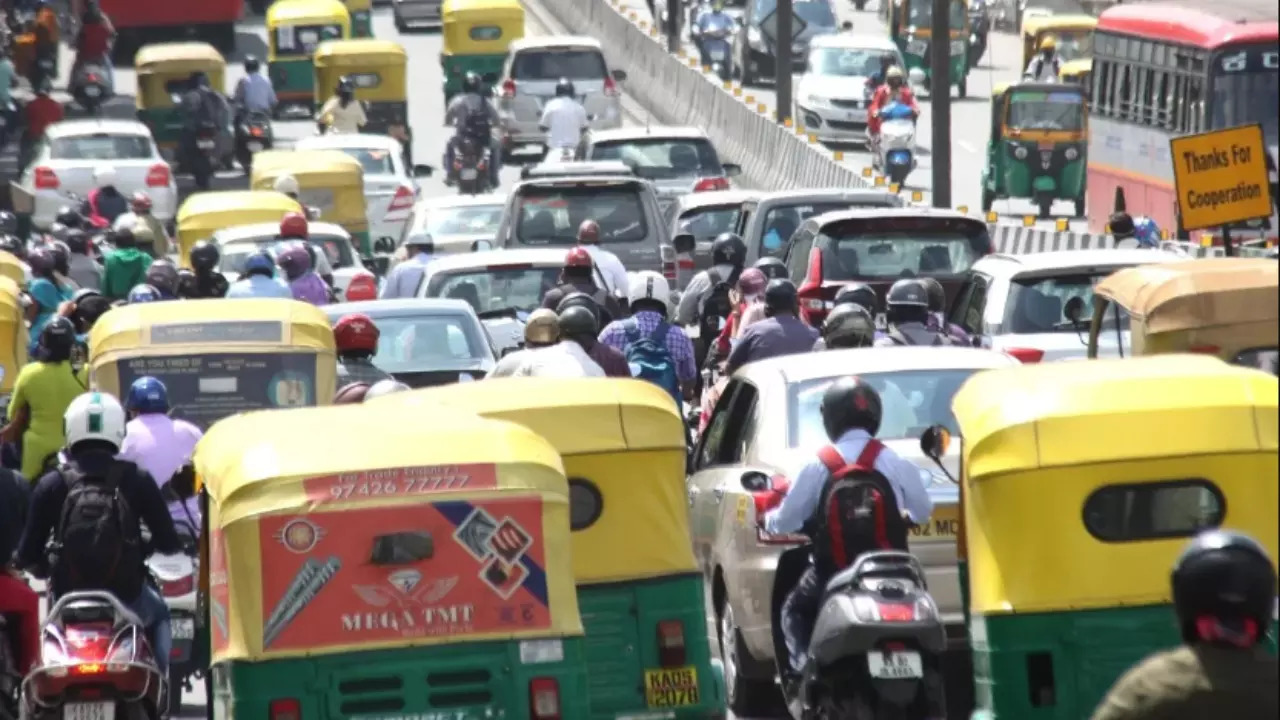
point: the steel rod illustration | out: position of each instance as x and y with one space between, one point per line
311 578
219 613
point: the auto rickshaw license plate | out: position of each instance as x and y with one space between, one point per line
255 147
89 711
672 687
900 665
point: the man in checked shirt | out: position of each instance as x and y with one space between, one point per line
648 294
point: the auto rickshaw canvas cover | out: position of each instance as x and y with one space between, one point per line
297 539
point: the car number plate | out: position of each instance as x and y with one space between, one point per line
184 629
204 144
89 711
671 687
255 147
93 91
902 665
468 174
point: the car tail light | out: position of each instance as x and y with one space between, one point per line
810 292
362 287
1026 356
610 87
46 179
1205 349
158 175
509 89
709 184
179 587
671 651
668 262
403 200
284 709
255 131
544 699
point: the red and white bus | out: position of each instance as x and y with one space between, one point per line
1172 68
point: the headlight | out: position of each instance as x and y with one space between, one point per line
754 39
533 652
812 99
1072 153
957 47
1020 153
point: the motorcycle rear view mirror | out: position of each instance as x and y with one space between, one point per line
754 481
420 171
847 26
313 213
684 243
384 245
1074 309
620 75
731 169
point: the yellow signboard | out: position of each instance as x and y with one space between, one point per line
1221 177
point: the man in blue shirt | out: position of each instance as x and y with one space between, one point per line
404 279
254 92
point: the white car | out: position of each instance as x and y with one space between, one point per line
1016 303
677 160
389 187
456 223
832 95
62 168
237 243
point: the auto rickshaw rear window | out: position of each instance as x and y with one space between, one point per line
303 39
253 331
555 63
1062 111
551 216
1152 511
102 147
485 32
365 80
586 504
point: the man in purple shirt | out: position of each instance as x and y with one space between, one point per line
154 441
648 297
781 333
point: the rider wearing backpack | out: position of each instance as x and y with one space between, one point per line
580 275
707 300
907 310
858 481
656 350
91 507
782 332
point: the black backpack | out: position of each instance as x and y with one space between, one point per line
858 511
940 339
476 125
715 305
98 545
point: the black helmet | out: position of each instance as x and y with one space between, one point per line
1225 576
564 88
907 293
204 256
772 267
70 217
57 336
780 296
937 296
848 326
471 83
1121 225
888 60
163 276
90 305
251 64
850 403
579 299
78 241
61 257
577 321
859 294
346 85
8 223
728 249
199 79
13 245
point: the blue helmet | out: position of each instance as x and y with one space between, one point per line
260 263
147 395
1146 232
143 293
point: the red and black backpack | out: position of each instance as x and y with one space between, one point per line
857 512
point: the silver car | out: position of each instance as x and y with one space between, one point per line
456 223
678 160
534 67
767 422
423 343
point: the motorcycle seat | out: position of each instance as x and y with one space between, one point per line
879 565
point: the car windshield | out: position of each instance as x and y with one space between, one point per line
337 251
782 221
1074 44
464 220
551 215
1030 110
895 254
659 158
373 160
912 401
492 289
101 147
423 343
845 62
1036 304
813 13
553 64
708 222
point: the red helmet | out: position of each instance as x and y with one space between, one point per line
140 201
293 225
577 257
355 333
589 232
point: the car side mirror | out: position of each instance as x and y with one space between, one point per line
1074 309
481 246
731 169
847 26
313 213
684 243
753 481
420 171
934 442
384 245
619 75
508 350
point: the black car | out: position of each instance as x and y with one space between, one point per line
755 45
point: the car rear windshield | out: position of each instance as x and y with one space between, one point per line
422 343
708 222
912 401
551 215
661 158
101 147
553 64
337 251
514 287
465 220
1037 304
373 160
782 221
888 248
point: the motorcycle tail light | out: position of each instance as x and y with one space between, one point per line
46 179
610 87
179 587
92 78
158 175
897 612
256 131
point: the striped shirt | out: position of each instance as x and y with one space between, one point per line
678 344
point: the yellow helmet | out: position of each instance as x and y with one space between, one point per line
1049 43
893 72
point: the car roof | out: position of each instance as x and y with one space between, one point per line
399 306
438 202
819 194
331 141
867 213
96 126
648 131
570 180
1001 264
577 168
692 201
237 233
855 40
554 41
829 363
483 258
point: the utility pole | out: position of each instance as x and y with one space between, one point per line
673 26
782 60
940 100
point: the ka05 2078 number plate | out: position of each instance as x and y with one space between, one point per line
671 687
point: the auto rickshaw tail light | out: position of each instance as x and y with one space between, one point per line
158 175
671 652
544 699
284 709
1026 356
46 179
509 89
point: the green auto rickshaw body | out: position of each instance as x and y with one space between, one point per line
910 27
1038 145
477 35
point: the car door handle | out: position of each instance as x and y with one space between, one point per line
719 493
693 493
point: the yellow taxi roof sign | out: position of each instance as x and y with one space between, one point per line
1221 177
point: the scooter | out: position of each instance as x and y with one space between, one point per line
471 167
877 644
979 27
95 663
91 87
175 575
896 154
712 35
253 134
204 160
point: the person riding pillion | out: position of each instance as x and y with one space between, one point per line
657 350
472 116
781 333
567 358
707 299
356 338
204 280
153 441
105 202
541 330
1046 65
580 321
259 279
894 90
563 118
847 326
579 276
611 269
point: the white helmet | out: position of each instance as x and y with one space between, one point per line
286 184
94 416
104 176
648 285
384 387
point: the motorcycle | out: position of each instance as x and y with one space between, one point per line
979 27
253 134
877 644
95 664
712 34
895 155
175 575
471 167
91 87
204 160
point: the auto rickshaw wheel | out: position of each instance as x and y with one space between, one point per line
988 199
963 87
1045 202
1079 202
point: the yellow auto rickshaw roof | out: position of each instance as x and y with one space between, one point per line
241 456
193 54
1079 65
1201 293
330 164
214 205
1072 413
360 51
1051 23
578 415
358 4
11 267
11 295
131 327
303 11
497 7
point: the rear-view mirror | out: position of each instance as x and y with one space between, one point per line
619 75
481 245
753 481
934 442
731 169
684 243
1074 309
377 265
847 26
313 213
420 171
384 245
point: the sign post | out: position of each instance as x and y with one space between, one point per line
1221 179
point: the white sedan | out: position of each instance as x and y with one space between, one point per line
62 168
832 95
337 255
389 187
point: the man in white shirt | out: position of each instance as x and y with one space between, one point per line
405 279
609 266
563 118
564 359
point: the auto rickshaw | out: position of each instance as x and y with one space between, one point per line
361 17
639 587
294 29
354 566
1072 33
164 73
202 214
13 339
912 31
218 357
1071 520
378 70
11 267
328 180
1226 307
1078 71
1038 146
477 35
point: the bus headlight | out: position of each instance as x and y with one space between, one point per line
1072 153
1020 153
